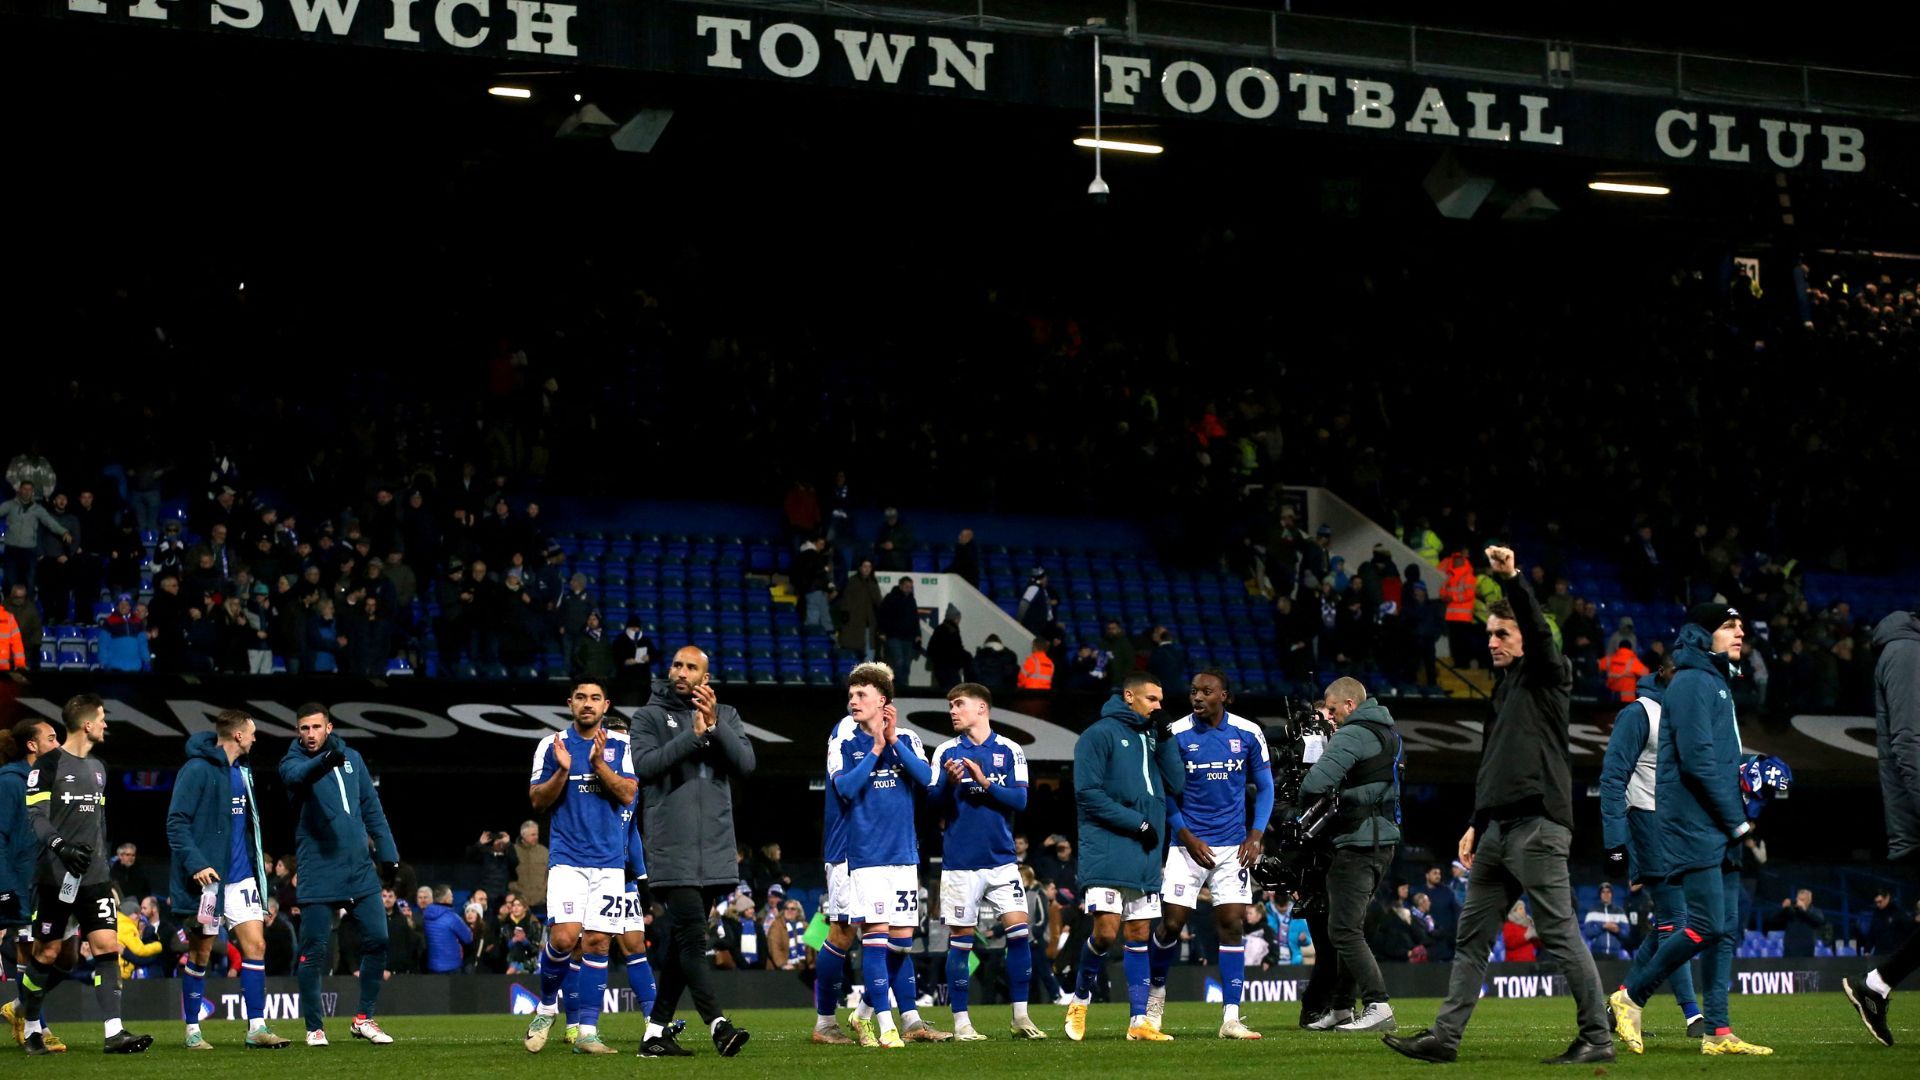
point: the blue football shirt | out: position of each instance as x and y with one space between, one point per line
1221 760
880 814
979 827
589 829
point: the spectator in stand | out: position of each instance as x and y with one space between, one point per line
1444 908
633 660
127 874
593 654
1804 924
1395 935
1037 604
282 945
123 643
947 654
1623 669
994 665
966 559
1167 663
1120 653
1886 926
764 870
574 607
786 937
900 629
1582 636
1519 934
476 948
447 934
1425 626
1036 671
1605 927
20 630
495 861
522 628
859 614
24 519
801 508
1057 864
530 871
238 634
518 938
1458 583
812 576
403 943
893 548
1087 671
1640 568
60 560
324 640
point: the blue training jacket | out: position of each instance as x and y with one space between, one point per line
1622 823
1120 779
1698 787
335 812
19 847
200 824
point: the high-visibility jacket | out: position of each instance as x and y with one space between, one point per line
13 649
1459 588
1622 671
1036 672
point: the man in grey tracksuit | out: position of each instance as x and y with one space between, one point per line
687 750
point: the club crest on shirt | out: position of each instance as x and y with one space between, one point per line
99 778
607 754
999 760
33 778
1233 745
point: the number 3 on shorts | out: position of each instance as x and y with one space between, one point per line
905 902
105 910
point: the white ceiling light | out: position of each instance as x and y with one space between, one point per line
1114 144
1629 189
519 92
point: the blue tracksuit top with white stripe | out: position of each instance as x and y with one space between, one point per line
979 820
878 789
1220 759
834 836
589 828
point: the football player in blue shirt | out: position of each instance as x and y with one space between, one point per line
842 914
979 782
584 775
878 770
1215 845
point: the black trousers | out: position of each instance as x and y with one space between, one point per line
684 964
1351 882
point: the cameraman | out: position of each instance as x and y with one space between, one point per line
1362 765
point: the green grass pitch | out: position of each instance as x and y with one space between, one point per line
1812 1035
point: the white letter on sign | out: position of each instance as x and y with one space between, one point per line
147 9
1774 129
1123 78
1843 148
246 14
1723 148
1372 104
1536 112
725 32
402 27
550 20
770 50
1170 87
1431 115
972 64
888 52
1237 93
1663 132
1317 87
308 13
1482 105
443 22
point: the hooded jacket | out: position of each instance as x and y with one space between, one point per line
19 847
335 812
1896 723
1364 820
1121 779
1523 765
200 824
1624 821
1697 789
686 788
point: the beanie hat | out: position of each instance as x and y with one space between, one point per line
1711 615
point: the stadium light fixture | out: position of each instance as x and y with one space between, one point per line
519 93
1116 144
1628 189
